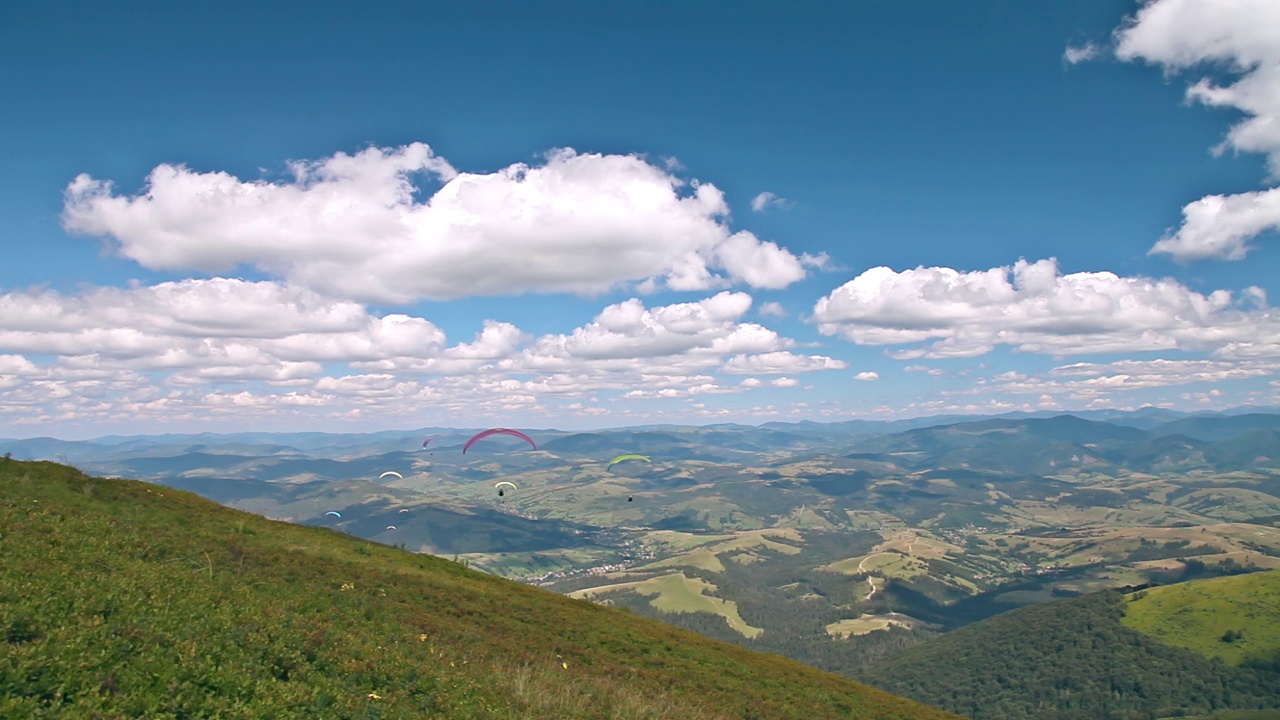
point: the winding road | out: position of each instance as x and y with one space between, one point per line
871 578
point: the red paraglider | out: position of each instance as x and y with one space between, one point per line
498 431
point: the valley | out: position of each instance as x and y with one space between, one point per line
834 544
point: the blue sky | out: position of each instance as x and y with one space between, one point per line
233 216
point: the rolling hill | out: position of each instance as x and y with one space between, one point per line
124 599
1083 658
1234 618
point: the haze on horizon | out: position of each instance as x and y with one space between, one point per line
576 216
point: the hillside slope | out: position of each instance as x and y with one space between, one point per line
1235 618
1069 659
123 599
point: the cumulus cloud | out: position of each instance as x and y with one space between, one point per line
1221 226
867 376
766 200
1242 36
210 348
351 226
1161 372
1124 383
1080 53
781 361
628 330
1034 308
203 322
772 309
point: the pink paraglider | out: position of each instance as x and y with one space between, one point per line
498 431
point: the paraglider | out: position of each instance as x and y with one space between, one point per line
393 473
404 510
497 431
628 456
334 513
391 527
500 485
424 442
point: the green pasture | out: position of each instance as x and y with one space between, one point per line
1205 615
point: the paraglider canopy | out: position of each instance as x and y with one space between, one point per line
404 510
392 473
334 513
391 527
628 456
424 442
497 431
503 484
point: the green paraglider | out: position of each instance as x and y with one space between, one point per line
628 456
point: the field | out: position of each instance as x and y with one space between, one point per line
677 593
869 623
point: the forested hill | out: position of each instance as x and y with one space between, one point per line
124 599
1070 659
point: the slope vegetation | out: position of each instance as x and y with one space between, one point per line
123 599
1235 618
1070 658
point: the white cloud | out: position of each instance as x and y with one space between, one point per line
196 322
766 200
1220 226
349 226
205 349
772 309
867 376
781 361
1034 308
1160 371
1126 383
628 330
785 382
1244 37
1080 53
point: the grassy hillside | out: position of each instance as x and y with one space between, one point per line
1235 618
1070 659
123 599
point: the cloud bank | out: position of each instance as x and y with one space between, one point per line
351 226
227 346
1034 308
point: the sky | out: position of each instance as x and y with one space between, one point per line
572 214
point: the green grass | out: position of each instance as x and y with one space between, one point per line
123 599
1232 715
1198 614
676 593
1236 715
1068 660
